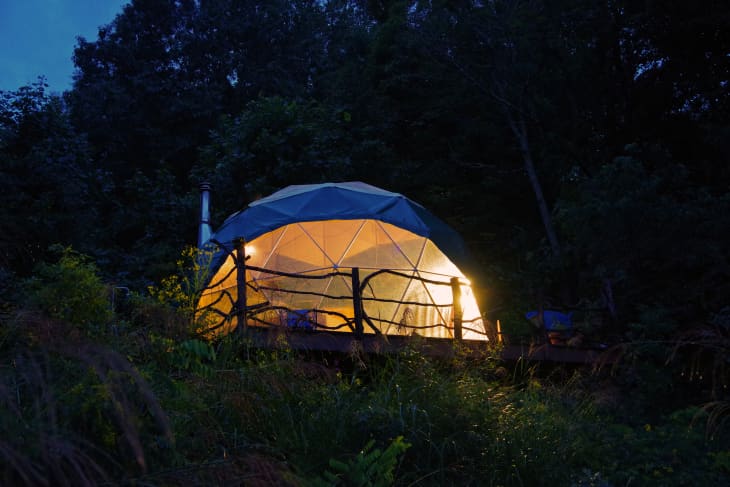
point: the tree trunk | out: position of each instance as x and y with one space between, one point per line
520 132
515 117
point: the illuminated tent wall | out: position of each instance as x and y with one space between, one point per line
302 244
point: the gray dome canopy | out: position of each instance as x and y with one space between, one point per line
340 201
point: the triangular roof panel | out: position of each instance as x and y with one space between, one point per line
340 201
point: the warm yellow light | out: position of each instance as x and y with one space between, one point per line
466 300
468 303
312 247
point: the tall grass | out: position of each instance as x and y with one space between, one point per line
72 412
137 398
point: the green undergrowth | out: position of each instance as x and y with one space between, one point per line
134 397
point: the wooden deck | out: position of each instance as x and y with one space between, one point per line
439 347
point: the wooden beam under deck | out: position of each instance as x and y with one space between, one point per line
439 347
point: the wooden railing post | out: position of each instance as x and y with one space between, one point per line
357 303
458 311
241 305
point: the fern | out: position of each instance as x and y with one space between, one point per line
369 468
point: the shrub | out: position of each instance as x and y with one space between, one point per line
70 290
182 289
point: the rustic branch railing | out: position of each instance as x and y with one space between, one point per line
261 313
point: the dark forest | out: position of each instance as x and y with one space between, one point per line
581 148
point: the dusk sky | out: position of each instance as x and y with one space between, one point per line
37 37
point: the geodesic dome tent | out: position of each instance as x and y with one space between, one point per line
316 254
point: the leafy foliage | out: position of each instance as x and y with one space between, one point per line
152 405
274 143
369 468
46 169
182 289
463 106
70 290
631 227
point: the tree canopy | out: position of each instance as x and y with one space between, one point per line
580 147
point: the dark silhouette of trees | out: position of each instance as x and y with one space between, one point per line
512 120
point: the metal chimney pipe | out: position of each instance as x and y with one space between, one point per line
204 231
